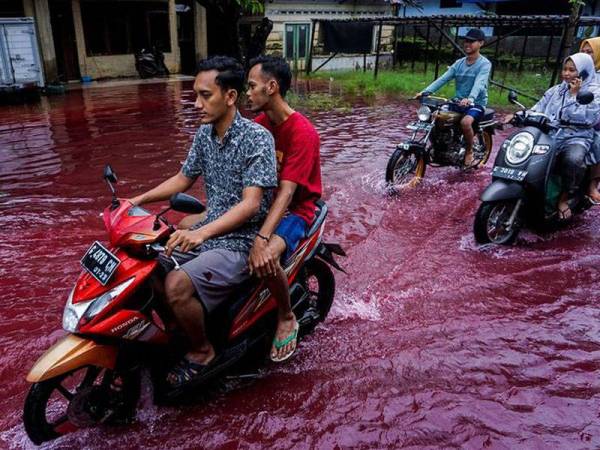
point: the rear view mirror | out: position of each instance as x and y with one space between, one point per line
585 97
109 174
512 96
186 203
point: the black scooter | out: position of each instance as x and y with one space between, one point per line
526 186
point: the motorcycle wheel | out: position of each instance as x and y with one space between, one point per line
320 285
404 169
490 220
51 405
485 143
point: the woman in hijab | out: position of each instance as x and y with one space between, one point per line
559 103
592 48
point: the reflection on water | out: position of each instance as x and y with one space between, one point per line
432 341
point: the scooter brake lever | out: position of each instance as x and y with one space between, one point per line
161 249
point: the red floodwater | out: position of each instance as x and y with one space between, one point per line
432 341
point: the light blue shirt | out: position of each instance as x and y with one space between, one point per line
471 80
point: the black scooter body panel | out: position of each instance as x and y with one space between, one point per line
502 190
538 167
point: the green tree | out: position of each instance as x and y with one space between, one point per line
576 10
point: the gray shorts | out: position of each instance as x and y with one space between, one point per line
215 273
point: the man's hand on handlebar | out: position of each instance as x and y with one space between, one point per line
465 102
186 240
508 118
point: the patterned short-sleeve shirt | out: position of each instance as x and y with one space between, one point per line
244 158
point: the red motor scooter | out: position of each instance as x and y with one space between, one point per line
118 323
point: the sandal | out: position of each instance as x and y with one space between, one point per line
592 201
564 214
187 372
279 344
474 165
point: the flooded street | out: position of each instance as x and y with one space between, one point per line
432 341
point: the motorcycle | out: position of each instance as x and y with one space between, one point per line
150 63
437 140
526 185
118 324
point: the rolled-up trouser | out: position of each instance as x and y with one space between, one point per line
572 166
593 158
595 149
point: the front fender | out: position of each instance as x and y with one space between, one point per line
502 190
415 147
70 353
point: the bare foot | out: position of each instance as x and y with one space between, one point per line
286 335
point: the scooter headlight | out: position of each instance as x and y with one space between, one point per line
87 310
73 313
519 148
424 113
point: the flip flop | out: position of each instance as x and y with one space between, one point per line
279 344
565 214
472 166
592 201
186 372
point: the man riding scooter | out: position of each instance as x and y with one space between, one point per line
236 158
293 210
471 74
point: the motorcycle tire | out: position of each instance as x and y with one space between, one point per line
320 284
44 397
404 169
486 221
485 140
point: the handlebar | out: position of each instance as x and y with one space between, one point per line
157 247
523 118
161 249
433 97
571 123
438 101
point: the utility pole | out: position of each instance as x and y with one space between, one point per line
572 26
568 36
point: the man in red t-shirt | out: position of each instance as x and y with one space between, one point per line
293 210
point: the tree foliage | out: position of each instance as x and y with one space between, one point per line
252 6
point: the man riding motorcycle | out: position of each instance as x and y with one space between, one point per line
293 210
574 121
471 74
236 158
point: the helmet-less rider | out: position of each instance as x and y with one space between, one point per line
471 74
575 122
236 159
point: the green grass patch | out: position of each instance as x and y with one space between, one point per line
318 101
407 81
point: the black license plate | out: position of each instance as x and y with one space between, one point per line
100 263
509 174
